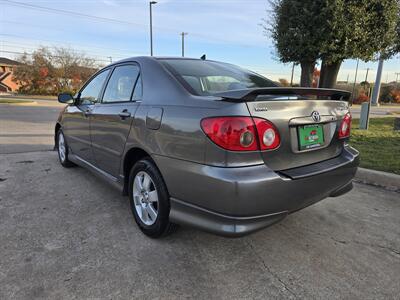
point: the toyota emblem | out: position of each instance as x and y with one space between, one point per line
316 116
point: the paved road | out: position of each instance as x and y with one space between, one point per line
66 235
28 127
377 112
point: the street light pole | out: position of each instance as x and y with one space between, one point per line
151 26
355 79
366 75
377 87
183 43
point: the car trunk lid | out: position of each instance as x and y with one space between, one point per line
307 121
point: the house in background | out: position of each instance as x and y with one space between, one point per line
7 85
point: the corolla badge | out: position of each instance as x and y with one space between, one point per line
260 108
316 116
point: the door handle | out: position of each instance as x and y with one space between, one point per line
124 114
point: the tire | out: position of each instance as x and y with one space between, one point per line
149 199
62 150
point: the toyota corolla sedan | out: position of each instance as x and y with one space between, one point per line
207 144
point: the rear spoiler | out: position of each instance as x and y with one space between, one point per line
252 94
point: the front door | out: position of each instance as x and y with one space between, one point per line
111 119
77 122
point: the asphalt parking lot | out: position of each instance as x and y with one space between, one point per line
28 126
64 234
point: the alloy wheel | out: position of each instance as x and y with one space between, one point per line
145 198
62 151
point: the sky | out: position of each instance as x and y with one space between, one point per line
225 30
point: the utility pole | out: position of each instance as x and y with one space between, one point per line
355 79
291 78
397 76
151 26
366 75
347 81
183 43
110 58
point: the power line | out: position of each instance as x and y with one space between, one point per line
7 47
30 54
68 12
104 19
68 44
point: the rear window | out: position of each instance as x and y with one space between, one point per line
207 77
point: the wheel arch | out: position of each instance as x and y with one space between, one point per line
56 129
132 156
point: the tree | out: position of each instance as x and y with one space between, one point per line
283 82
53 71
357 29
71 69
395 47
296 32
35 75
331 30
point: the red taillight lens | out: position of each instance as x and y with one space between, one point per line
231 133
268 135
345 126
241 133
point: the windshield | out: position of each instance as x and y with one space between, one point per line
208 77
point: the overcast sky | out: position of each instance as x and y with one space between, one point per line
226 30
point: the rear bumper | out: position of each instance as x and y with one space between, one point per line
237 201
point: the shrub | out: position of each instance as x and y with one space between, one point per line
395 96
362 97
390 93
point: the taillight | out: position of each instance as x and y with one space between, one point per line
231 133
268 135
344 129
241 133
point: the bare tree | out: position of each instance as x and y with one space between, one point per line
53 71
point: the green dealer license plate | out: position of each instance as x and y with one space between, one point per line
310 136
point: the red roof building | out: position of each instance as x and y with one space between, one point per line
7 85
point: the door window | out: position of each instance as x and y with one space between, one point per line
121 84
91 92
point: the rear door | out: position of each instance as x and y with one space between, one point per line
111 119
308 130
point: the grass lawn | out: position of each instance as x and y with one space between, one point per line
379 146
9 101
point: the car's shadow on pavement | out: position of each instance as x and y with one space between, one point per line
67 234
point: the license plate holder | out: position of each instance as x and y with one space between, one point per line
310 136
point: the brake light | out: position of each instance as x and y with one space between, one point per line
345 126
268 135
241 133
231 133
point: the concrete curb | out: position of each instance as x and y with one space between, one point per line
386 180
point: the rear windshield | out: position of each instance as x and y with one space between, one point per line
208 77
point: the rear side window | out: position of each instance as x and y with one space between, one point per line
120 86
91 92
208 77
137 94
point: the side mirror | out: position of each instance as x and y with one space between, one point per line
65 98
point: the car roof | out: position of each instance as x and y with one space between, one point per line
154 58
